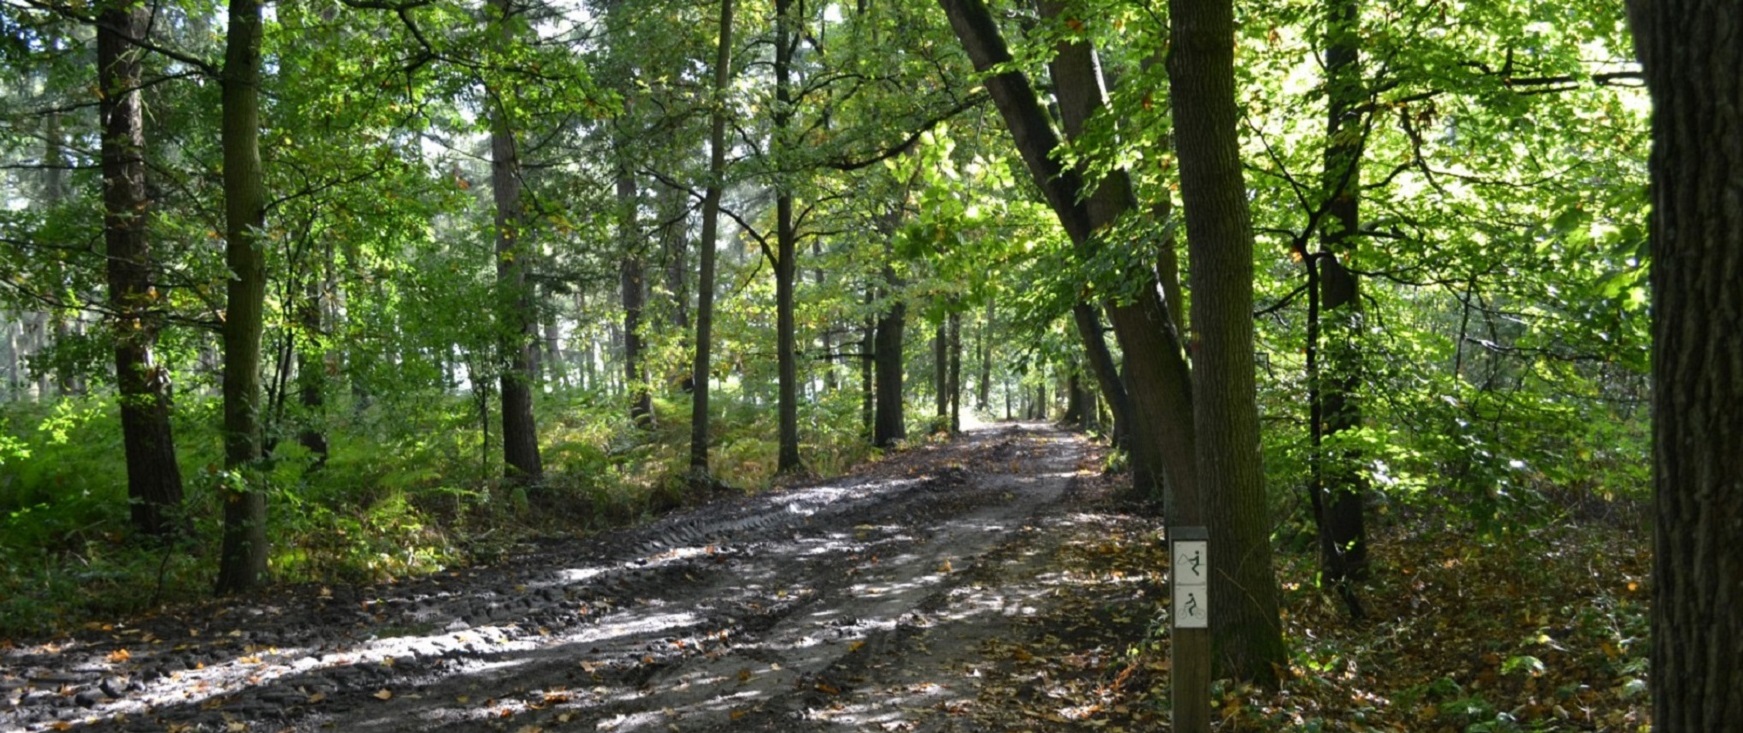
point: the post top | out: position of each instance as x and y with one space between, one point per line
1188 533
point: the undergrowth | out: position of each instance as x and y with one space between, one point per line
411 486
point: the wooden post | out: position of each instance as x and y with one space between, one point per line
1189 548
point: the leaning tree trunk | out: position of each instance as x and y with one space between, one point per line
516 319
700 478
242 559
1694 70
1219 233
154 480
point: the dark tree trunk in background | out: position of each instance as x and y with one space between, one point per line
1694 69
955 375
312 369
700 477
516 318
891 425
633 283
982 388
867 385
1336 480
242 558
154 480
941 372
675 249
1073 397
1248 640
786 246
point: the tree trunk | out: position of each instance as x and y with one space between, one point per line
634 288
516 319
1338 501
941 372
675 250
242 559
983 387
955 381
891 423
311 371
700 478
867 385
1692 61
154 480
1248 638
786 246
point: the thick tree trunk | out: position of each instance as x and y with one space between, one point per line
786 249
1694 70
700 477
154 480
1248 639
516 319
633 284
1160 431
242 559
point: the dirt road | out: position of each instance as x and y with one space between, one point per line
865 603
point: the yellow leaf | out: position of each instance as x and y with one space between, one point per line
736 714
317 696
120 655
236 726
384 694
855 646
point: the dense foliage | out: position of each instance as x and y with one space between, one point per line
1447 202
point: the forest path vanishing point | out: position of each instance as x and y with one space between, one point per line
865 603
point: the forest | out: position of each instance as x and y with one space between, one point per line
357 354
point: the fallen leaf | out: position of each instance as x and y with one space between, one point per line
318 696
120 655
384 694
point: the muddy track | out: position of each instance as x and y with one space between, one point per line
849 605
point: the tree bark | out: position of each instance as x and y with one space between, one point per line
632 281
242 559
1336 480
955 382
786 248
700 477
154 479
1694 71
1248 640
982 388
941 372
516 320
891 425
